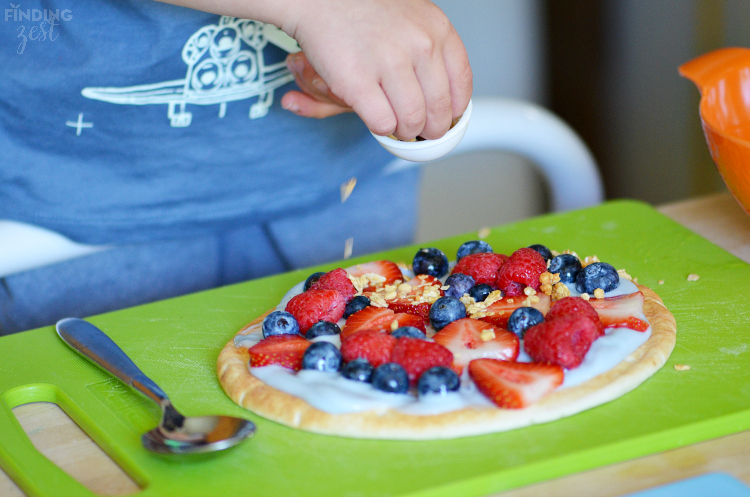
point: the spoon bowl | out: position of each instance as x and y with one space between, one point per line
175 434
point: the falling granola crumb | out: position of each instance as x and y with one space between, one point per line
693 277
483 232
681 367
661 282
346 189
348 246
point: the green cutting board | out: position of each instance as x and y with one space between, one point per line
177 341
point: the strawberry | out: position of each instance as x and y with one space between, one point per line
498 312
625 311
369 318
425 289
522 269
405 319
387 269
338 280
316 305
464 338
575 306
563 341
514 385
417 356
482 267
284 350
375 346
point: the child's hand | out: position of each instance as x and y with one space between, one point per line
399 64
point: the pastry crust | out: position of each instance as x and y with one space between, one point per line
252 394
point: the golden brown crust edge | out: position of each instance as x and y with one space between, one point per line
252 394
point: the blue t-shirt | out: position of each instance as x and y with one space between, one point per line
131 121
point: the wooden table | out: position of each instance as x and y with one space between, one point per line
717 218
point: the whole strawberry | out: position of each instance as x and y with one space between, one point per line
563 341
575 306
374 346
417 356
522 269
316 305
482 267
338 280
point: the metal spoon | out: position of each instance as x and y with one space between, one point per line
176 434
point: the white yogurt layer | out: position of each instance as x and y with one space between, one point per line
332 393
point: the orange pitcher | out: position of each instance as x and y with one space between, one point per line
723 78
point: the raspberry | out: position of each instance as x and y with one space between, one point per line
482 267
522 269
562 341
575 306
374 346
315 305
338 280
417 356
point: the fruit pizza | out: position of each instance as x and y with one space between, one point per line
441 349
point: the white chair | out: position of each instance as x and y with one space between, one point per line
496 124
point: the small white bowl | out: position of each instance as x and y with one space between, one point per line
427 150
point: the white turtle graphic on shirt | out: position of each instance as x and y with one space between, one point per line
224 63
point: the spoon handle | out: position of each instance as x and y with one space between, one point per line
91 342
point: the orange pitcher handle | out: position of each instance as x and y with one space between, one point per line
706 69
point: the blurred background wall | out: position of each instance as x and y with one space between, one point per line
609 68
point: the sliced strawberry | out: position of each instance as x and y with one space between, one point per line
316 305
514 385
417 356
388 270
465 338
498 312
375 346
369 318
405 319
284 350
563 341
338 280
424 290
625 311
482 267
575 306
522 269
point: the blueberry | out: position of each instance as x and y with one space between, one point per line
358 370
567 265
322 328
524 318
542 250
438 380
322 356
480 292
458 284
445 310
355 305
312 279
473 247
279 323
390 377
430 261
597 275
408 331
